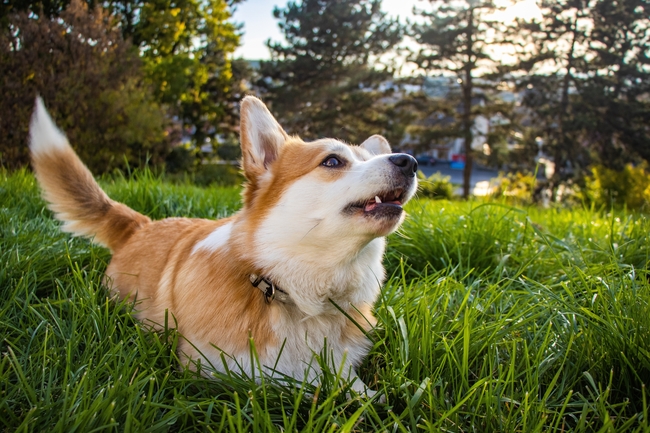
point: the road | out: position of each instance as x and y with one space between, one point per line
478 174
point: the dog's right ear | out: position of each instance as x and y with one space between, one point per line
261 137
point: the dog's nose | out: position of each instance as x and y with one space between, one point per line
406 163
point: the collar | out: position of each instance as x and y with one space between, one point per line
270 290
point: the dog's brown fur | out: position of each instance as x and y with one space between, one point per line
163 265
74 196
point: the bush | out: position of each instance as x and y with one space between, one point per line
181 159
515 187
218 174
629 187
436 186
229 148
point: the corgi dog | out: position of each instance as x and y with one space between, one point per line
296 270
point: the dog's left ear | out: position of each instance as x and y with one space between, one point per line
377 145
261 137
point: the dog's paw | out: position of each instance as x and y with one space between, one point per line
378 397
366 393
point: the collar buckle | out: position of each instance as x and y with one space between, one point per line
265 286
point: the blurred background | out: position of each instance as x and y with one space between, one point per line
547 100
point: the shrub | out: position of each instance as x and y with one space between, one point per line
436 186
515 187
229 148
629 187
218 174
181 159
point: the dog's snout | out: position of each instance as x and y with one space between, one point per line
406 163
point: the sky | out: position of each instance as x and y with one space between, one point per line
259 24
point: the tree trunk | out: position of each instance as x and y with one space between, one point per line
467 106
563 149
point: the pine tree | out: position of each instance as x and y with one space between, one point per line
457 38
325 82
553 56
615 96
588 76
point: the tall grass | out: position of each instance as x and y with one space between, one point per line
494 319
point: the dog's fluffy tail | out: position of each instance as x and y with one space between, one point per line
71 190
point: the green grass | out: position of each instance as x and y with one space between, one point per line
495 319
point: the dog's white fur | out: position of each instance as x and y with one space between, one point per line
296 228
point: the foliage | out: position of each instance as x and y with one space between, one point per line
186 162
218 174
494 319
181 159
48 8
549 95
323 82
229 148
616 95
186 46
582 70
629 187
91 82
586 82
436 186
516 188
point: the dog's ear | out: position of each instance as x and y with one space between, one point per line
261 137
377 145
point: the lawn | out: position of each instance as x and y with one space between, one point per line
494 319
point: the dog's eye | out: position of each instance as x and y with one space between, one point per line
332 161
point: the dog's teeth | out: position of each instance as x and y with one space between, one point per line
377 199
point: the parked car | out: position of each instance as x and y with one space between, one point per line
426 160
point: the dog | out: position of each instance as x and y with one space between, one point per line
296 270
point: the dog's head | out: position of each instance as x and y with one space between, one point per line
321 202
327 187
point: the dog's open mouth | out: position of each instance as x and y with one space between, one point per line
385 204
